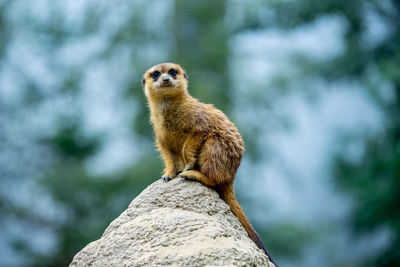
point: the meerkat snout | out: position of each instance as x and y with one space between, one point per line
166 81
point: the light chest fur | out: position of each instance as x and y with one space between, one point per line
170 124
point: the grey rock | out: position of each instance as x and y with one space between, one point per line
175 223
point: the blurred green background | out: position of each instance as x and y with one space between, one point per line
313 86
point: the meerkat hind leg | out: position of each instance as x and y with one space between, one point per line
196 175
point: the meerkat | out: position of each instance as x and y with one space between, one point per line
196 141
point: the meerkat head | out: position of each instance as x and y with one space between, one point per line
166 79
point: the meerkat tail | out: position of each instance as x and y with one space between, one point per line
226 192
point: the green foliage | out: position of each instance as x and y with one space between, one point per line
87 202
203 49
373 180
290 242
375 183
196 35
69 144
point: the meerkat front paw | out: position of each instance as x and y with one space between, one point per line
168 176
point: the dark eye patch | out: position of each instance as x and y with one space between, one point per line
155 74
173 72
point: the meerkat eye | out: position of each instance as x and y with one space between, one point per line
173 72
155 74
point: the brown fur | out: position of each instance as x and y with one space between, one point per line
197 141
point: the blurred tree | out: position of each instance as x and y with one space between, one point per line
200 44
42 121
372 59
134 35
84 202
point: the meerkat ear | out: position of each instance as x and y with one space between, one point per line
144 87
185 75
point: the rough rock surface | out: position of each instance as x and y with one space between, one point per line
175 223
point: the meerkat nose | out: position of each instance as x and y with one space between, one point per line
166 79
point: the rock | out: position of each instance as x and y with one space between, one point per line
175 223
